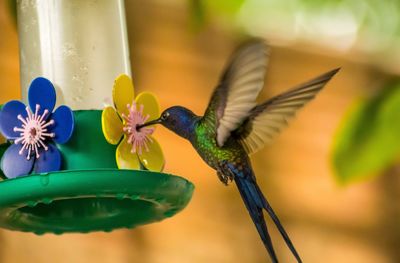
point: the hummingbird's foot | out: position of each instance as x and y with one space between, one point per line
225 178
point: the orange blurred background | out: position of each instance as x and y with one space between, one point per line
327 222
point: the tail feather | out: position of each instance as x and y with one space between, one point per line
255 202
257 216
278 224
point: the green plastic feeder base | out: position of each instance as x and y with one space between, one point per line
90 200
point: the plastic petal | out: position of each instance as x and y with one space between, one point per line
42 92
150 103
14 164
125 158
48 161
153 159
111 125
9 118
123 93
63 126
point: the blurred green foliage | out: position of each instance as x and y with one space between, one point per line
201 9
225 6
370 26
198 13
368 140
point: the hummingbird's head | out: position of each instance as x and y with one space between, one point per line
177 119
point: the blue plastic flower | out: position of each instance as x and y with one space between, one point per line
34 130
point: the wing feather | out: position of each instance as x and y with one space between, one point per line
269 118
239 87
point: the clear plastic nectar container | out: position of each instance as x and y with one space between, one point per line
79 45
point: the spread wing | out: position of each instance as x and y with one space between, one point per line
267 119
238 89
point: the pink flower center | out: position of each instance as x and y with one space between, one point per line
33 132
138 139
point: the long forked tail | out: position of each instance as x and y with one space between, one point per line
278 224
256 213
255 203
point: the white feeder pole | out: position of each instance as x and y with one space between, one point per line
80 45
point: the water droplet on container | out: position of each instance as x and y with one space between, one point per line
77 99
83 68
69 50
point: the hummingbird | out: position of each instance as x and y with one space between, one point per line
234 127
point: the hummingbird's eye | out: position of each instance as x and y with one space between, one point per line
164 116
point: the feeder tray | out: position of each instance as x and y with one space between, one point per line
90 200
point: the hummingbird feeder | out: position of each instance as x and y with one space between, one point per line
69 165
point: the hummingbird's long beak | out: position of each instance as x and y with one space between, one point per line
156 121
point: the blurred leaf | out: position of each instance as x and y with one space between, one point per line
368 139
198 11
225 6
200 8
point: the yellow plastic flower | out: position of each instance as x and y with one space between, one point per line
136 147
